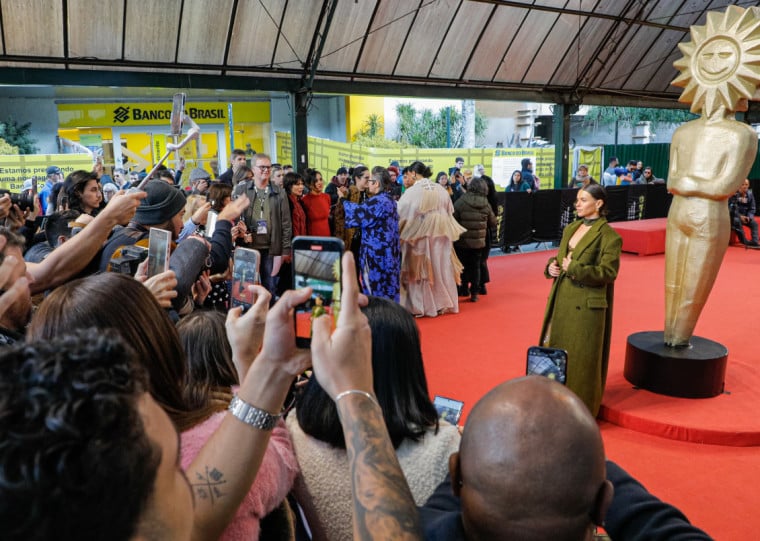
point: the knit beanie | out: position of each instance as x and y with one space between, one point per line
162 204
199 173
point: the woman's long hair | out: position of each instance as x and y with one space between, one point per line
399 380
210 370
119 302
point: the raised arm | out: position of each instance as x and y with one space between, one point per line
383 507
224 470
74 255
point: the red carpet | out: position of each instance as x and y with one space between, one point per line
657 438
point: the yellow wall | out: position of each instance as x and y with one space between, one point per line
358 108
251 129
327 156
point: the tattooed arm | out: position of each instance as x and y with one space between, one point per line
383 504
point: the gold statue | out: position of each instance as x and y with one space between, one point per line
709 159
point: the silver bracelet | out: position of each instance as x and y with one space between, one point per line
251 415
356 391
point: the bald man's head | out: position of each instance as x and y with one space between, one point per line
531 465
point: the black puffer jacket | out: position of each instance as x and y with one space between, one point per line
473 212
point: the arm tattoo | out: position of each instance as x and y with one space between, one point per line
208 485
383 505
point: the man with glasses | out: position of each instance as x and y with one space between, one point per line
267 219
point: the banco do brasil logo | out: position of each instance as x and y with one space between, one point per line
121 114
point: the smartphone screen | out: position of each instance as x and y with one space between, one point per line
178 110
158 251
448 409
245 272
211 222
549 362
316 264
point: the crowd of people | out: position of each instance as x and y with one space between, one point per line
147 407
615 175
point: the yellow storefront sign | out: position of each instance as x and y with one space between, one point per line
14 170
77 115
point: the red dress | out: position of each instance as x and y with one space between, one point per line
317 207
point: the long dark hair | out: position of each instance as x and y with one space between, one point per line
117 301
75 185
399 380
210 370
421 169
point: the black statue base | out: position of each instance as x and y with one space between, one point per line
696 371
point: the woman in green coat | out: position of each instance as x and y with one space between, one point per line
578 314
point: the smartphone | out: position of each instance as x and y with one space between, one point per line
316 264
211 218
549 362
178 112
448 409
245 272
158 251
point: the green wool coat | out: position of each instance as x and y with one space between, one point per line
578 314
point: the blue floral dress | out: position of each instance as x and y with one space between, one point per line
379 254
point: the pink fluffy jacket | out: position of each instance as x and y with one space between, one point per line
272 484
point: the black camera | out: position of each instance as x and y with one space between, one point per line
128 259
25 201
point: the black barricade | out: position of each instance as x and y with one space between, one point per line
541 216
568 207
617 203
636 201
547 211
657 201
517 220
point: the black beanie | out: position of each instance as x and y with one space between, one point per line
162 204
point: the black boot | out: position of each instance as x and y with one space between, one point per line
482 290
463 291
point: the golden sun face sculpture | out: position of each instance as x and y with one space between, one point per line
721 64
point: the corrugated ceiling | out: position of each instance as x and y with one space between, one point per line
594 51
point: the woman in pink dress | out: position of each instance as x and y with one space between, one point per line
429 267
317 205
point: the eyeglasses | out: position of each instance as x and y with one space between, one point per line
264 167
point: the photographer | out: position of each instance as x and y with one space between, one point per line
163 209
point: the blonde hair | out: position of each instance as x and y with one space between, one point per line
194 202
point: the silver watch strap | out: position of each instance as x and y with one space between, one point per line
252 415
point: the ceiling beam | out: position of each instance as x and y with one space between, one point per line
379 87
584 13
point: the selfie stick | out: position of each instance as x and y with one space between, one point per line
193 133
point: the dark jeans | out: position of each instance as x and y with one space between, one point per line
265 272
471 273
738 226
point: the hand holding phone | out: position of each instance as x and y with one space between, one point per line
245 272
158 251
448 409
549 362
316 264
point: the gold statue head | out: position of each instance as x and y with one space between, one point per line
721 64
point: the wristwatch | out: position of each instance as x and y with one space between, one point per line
252 415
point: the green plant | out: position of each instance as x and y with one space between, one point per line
629 116
372 135
18 136
429 129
